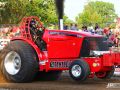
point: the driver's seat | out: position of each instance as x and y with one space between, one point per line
37 34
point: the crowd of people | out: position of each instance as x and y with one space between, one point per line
112 35
8 32
71 27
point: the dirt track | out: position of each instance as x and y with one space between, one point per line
65 83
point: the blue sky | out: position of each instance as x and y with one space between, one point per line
74 7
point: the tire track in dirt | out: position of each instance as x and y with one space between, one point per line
64 83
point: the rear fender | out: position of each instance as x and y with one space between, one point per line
40 54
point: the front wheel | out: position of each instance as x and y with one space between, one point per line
79 70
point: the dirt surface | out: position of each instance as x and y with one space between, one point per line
64 83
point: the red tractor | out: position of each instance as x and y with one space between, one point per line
35 49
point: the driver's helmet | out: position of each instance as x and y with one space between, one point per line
33 23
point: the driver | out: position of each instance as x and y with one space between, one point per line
37 33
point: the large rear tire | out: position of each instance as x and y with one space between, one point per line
19 62
79 70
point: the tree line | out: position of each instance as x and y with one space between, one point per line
14 10
99 12
94 12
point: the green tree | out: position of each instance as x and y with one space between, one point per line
45 9
99 12
3 0
67 20
15 10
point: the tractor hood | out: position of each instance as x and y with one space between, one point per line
73 33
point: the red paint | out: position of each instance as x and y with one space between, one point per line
64 47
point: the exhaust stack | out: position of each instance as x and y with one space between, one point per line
60 11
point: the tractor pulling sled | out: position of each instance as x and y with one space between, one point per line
49 52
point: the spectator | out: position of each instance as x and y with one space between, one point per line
90 28
66 27
111 40
74 27
96 26
116 41
106 31
84 28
